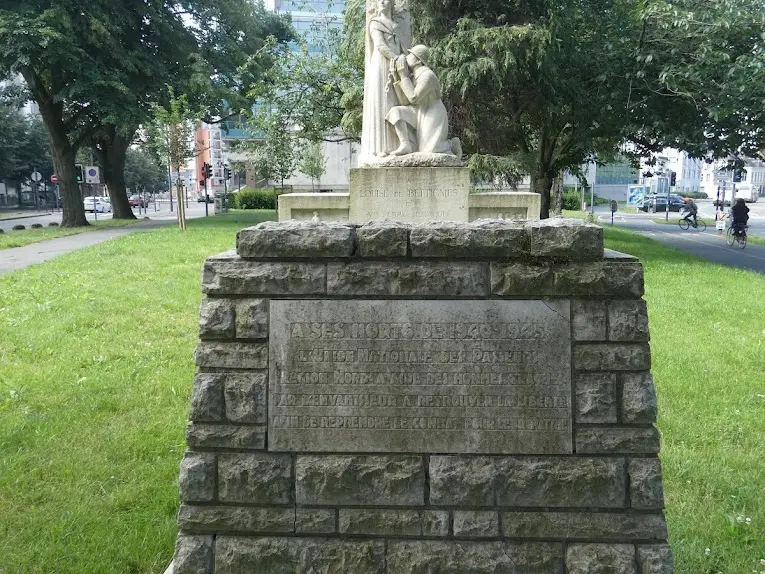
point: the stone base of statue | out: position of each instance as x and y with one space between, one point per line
336 206
409 194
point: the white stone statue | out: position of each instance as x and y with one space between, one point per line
421 121
388 35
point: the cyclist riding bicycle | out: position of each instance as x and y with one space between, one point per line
693 211
740 214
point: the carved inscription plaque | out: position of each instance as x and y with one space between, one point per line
420 376
412 195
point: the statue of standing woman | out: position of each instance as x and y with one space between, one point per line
388 36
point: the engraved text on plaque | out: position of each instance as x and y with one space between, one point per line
420 376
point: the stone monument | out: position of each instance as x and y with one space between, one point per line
416 398
410 170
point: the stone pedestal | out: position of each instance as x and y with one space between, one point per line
393 398
409 194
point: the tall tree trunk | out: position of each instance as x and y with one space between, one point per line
556 193
113 154
62 150
542 184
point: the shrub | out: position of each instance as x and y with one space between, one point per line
249 198
571 200
53 224
693 194
19 227
37 226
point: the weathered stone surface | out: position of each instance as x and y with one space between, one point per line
598 279
588 525
646 487
435 523
462 481
612 440
438 371
596 398
254 478
246 398
558 482
527 481
360 480
521 279
252 319
601 559
476 524
314 521
627 321
226 436
193 555
197 481
381 522
296 239
426 557
655 559
235 555
236 519
408 279
409 194
383 239
213 355
638 398
485 238
216 319
240 277
570 239
593 280
207 398
589 320
612 357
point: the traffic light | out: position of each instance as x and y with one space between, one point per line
79 173
208 171
672 179
227 172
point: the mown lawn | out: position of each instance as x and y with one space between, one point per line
96 367
28 236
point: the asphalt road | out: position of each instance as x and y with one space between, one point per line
162 212
708 245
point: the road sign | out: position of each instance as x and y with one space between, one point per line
54 178
614 206
37 176
92 174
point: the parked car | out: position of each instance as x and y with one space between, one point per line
97 204
659 204
137 201
210 198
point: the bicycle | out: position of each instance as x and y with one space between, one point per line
685 224
731 237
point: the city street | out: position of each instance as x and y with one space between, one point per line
709 244
162 212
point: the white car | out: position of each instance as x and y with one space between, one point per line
97 204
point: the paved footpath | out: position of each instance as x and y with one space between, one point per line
708 245
17 258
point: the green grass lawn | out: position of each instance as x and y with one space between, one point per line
96 368
29 236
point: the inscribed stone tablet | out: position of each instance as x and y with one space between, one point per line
411 195
420 376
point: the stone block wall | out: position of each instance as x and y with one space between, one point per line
597 507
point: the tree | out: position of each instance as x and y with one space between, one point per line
143 172
24 146
172 137
314 164
538 87
97 69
